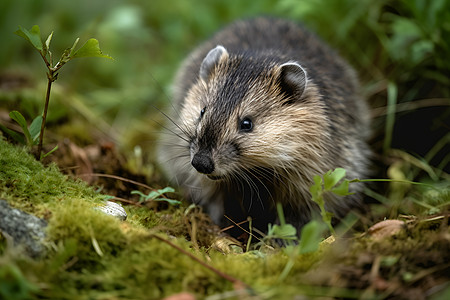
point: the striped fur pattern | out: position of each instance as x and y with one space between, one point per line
258 110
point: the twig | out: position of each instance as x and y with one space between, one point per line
126 201
240 227
209 267
235 224
118 178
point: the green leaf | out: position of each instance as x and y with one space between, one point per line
46 45
73 47
33 36
17 116
170 201
16 136
311 236
342 189
48 40
331 178
154 195
142 195
166 190
286 232
316 188
35 128
90 49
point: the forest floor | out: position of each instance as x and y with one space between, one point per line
175 251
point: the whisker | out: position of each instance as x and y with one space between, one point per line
183 130
173 132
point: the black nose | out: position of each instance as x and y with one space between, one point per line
202 162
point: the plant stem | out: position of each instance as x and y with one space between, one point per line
44 115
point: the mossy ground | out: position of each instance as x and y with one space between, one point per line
94 256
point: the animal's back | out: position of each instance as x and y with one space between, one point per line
306 117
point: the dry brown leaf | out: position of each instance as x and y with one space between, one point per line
386 228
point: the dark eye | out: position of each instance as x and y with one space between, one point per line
202 112
246 125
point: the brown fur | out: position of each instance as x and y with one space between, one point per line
299 130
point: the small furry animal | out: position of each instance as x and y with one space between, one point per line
259 109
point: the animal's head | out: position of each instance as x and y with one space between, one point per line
249 111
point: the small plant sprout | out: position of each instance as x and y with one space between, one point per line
156 195
329 183
89 49
30 133
283 231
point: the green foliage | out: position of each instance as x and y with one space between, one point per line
329 183
423 33
311 237
89 49
31 133
156 196
34 37
403 41
311 234
285 232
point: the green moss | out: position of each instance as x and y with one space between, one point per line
27 185
94 256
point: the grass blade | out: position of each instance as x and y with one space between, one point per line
18 117
390 116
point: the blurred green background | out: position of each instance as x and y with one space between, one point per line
403 44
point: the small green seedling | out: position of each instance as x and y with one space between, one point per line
311 234
283 231
329 183
156 196
89 49
30 134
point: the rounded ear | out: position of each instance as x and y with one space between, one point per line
293 79
211 60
